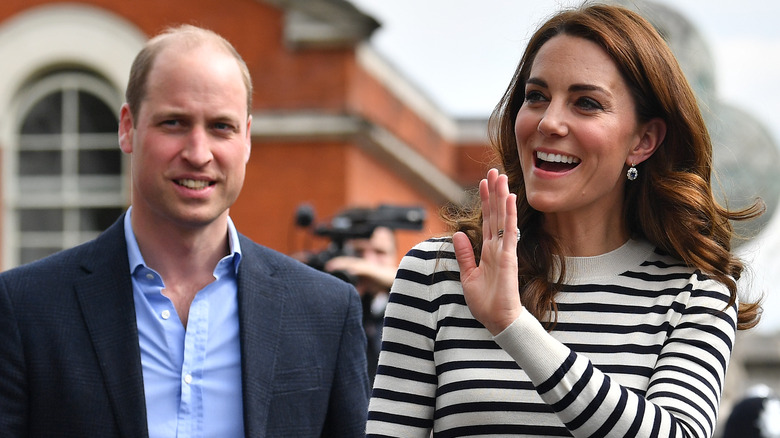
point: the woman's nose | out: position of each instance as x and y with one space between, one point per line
553 121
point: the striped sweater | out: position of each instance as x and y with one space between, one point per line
640 349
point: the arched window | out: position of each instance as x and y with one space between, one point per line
69 182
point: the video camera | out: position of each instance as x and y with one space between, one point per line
355 223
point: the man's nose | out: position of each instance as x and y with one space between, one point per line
197 149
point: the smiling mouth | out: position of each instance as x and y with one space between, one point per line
194 184
556 162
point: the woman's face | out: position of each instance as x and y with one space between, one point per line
576 131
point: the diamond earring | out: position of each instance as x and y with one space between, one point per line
632 173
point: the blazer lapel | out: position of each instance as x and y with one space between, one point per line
260 305
106 298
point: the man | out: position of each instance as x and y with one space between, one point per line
372 265
171 323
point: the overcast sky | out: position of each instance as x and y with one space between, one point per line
462 53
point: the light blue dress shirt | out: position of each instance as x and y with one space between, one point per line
192 377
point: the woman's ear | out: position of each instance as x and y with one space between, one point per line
653 134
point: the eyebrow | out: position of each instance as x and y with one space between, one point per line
536 81
587 87
177 113
572 88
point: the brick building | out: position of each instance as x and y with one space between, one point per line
333 124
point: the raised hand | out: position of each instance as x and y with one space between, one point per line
491 288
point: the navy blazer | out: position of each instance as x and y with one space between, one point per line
70 363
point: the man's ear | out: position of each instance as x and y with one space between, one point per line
126 129
248 139
653 134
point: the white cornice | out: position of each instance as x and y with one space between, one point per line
303 125
323 23
399 86
411 165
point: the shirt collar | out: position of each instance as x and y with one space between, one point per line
137 260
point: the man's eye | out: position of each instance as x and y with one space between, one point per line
223 127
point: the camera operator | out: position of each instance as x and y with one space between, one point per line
373 263
362 252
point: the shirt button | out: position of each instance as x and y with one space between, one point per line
166 314
188 378
150 276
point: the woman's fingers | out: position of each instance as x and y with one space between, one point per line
484 197
494 194
493 191
501 194
493 202
510 222
490 287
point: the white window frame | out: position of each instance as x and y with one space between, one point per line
65 189
51 38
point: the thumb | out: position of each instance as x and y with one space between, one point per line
464 253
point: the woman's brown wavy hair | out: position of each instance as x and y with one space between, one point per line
671 204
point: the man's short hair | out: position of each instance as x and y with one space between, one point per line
190 36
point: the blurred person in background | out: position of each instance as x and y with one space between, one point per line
756 415
371 265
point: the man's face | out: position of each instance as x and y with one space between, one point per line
191 142
379 249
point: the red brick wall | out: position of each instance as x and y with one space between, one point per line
281 174
371 99
328 175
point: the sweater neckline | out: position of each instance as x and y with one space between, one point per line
628 256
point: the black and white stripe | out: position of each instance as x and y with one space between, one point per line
640 349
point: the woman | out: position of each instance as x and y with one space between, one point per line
606 224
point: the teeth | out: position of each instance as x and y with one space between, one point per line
557 158
195 184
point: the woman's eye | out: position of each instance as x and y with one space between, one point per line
589 104
534 96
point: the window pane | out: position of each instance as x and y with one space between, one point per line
94 115
38 187
45 117
40 163
41 219
98 219
42 142
100 162
91 185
